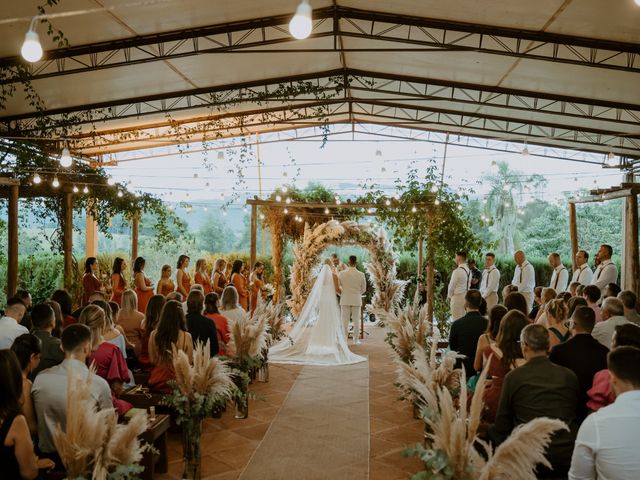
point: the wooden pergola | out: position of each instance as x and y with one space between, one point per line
630 274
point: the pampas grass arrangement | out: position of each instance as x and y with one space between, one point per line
273 313
248 339
408 330
94 445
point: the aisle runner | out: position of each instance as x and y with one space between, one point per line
321 431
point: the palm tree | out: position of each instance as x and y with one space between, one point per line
501 204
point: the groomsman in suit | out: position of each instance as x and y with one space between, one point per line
582 274
607 272
524 277
459 284
560 276
490 281
353 284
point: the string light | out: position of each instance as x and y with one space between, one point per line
338 202
111 181
36 179
120 194
86 190
378 153
284 189
414 209
525 150
434 188
278 198
326 211
224 212
285 211
65 157
55 182
288 200
437 202
459 207
75 189
387 202
31 48
300 25
261 216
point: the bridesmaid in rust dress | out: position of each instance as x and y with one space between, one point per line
118 281
90 281
165 284
202 277
219 278
144 290
240 282
183 279
256 283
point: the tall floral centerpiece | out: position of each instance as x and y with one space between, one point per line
202 386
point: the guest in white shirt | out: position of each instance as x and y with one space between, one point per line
607 443
10 327
606 272
612 316
524 277
630 303
458 286
560 276
49 389
582 273
490 281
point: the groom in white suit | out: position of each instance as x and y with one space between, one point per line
353 284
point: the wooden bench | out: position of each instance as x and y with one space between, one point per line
156 435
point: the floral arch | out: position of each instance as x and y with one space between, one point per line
388 291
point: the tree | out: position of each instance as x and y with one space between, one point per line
506 190
215 235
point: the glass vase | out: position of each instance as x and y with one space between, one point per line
242 408
191 437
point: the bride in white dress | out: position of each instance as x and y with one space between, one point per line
317 337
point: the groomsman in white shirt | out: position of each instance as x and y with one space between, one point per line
560 276
582 273
458 286
490 281
607 272
524 277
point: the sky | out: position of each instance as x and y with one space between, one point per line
345 161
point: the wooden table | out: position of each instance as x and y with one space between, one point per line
156 435
141 398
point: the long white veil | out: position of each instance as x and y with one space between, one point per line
317 337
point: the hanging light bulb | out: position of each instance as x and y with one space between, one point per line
414 209
387 202
31 49
55 182
245 209
338 202
262 216
285 174
207 184
224 212
284 189
205 209
459 207
75 189
288 200
86 190
326 211
285 211
525 150
437 202
300 25
36 179
611 159
120 194
378 153
434 188
65 157
278 198
220 155
111 181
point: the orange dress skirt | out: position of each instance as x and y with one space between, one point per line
186 282
240 282
144 296
118 285
256 291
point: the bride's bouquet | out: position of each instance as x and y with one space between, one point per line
268 291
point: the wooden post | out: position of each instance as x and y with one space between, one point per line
12 240
67 239
91 236
254 225
431 267
134 239
631 273
573 233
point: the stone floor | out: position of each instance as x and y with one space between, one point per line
228 444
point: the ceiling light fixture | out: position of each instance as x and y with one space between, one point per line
65 156
111 181
31 49
120 194
75 189
300 25
36 179
326 211
55 182
86 190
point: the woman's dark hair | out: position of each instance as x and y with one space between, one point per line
564 296
24 346
115 309
181 260
11 381
138 265
482 309
172 321
516 301
117 265
255 267
614 289
57 312
627 335
64 300
195 301
236 267
211 303
87 264
152 315
496 315
508 339
575 302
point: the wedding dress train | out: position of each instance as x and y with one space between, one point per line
317 337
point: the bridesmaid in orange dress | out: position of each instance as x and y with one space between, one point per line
144 290
90 281
219 280
202 277
240 282
183 279
256 283
118 281
165 284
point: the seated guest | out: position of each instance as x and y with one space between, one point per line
113 333
582 354
507 290
57 315
537 303
564 296
547 295
557 315
130 319
49 390
580 290
194 287
229 307
177 296
222 325
115 315
152 315
25 298
575 302
591 294
630 303
503 355
16 447
607 442
489 336
539 388
171 332
611 290
27 350
600 394
573 288
200 327
42 317
108 359
10 327
612 316
465 331
516 301
66 305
